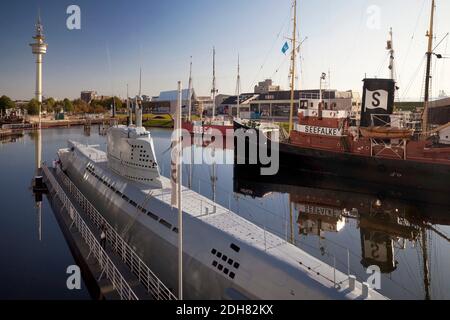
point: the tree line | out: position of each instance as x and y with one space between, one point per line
50 105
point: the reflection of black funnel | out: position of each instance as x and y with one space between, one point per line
377 249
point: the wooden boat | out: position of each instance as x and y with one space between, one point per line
386 132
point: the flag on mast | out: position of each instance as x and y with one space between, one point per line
285 47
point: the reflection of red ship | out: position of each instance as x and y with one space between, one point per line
209 126
323 206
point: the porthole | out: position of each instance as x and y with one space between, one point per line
213 251
236 265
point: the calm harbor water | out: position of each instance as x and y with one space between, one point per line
334 225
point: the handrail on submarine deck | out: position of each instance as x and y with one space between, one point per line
107 266
138 267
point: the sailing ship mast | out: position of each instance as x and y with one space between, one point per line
238 89
214 90
292 71
190 92
430 35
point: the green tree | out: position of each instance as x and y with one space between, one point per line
116 101
6 103
68 105
33 107
80 106
49 104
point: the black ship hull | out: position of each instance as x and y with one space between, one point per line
396 178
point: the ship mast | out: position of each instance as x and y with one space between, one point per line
390 47
292 71
214 90
430 35
238 89
426 271
190 92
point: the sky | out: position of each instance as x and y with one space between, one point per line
345 38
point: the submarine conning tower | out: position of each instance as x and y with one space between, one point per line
131 154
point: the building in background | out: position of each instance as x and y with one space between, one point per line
266 86
439 112
167 101
277 104
88 96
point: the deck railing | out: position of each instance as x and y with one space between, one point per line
107 266
151 282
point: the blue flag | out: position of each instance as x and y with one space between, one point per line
285 48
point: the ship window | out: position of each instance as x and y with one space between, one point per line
235 247
134 204
224 258
144 211
125 198
118 192
214 263
219 254
213 251
236 265
230 261
175 229
232 275
225 271
165 223
152 215
220 267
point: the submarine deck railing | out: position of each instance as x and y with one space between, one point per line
151 282
107 266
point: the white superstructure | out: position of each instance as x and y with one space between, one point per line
224 255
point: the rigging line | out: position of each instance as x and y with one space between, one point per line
354 40
413 78
409 270
287 19
413 36
385 58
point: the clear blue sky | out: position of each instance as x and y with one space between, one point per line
117 37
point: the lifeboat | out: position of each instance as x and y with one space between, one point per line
386 133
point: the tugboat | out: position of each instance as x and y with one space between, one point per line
376 150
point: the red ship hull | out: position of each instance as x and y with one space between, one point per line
207 129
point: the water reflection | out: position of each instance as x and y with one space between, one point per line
389 228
